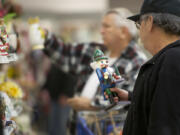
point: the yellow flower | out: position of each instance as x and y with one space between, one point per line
12 89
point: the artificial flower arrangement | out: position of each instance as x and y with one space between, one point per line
10 93
12 89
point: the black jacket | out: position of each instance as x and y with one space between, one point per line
155 106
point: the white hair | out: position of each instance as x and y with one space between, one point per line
121 19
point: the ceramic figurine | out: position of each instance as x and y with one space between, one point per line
36 34
4 43
108 76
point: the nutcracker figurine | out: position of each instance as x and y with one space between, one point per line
108 76
4 43
13 41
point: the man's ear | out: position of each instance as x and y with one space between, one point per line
149 23
123 31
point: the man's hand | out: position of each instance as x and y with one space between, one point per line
80 103
62 100
122 94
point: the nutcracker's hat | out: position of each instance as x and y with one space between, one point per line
99 55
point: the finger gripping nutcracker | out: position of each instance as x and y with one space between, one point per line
108 76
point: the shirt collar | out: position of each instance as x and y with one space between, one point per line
130 45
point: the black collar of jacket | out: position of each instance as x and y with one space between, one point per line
154 58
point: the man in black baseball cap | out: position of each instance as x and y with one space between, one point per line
155 101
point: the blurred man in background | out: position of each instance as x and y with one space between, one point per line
119 40
120 45
59 86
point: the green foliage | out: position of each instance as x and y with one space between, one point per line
8 17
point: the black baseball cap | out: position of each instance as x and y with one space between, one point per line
158 6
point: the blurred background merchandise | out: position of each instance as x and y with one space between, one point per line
73 21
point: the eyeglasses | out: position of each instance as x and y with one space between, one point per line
138 24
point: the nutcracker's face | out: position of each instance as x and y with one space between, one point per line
103 63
